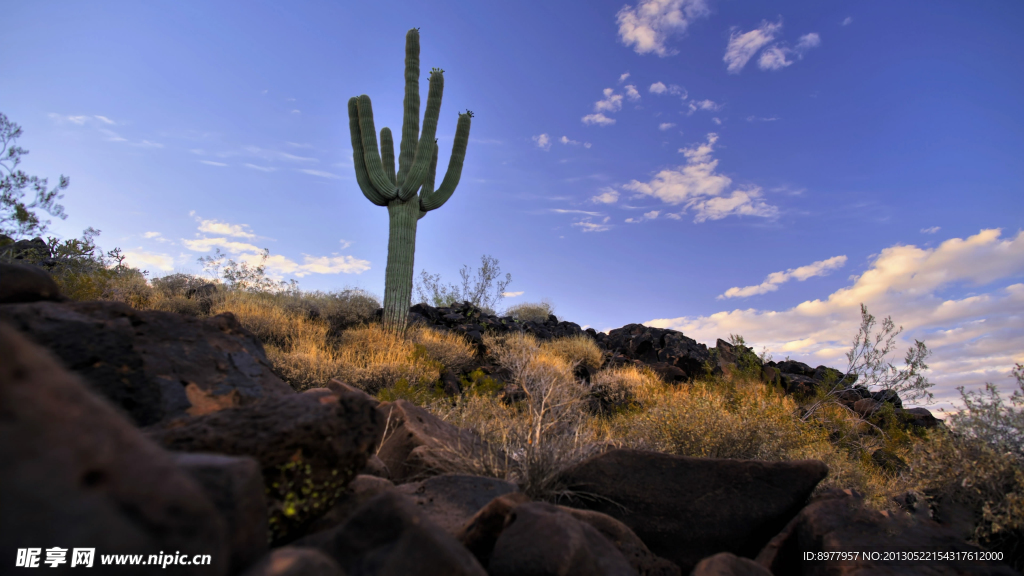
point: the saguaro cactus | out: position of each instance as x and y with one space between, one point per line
417 163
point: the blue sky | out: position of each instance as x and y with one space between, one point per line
715 167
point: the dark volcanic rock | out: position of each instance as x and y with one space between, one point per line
687 508
388 536
235 486
303 441
451 500
838 521
650 345
153 365
542 539
21 283
76 473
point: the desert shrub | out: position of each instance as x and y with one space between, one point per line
373 358
704 419
579 349
451 350
627 386
532 440
980 463
177 284
128 286
306 363
530 311
429 289
267 319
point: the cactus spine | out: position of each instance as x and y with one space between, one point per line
417 164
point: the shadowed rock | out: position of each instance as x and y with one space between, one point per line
77 473
153 365
291 561
687 508
26 283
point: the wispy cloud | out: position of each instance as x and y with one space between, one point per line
543 142
217 227
320 173
743 46
697 186
660 88
567 140
512 294
846 21
647 216
775 57
973 339
587 225
717 121
775 279
565 211
631 93
931 230
112 136
104 119
260 168
212 163
647 26
622 77
607 196
147 144
761 119
298 145
665 126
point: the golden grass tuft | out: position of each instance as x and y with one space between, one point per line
580 349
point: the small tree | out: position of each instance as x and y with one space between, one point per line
869 365
244 277
18 219
432 292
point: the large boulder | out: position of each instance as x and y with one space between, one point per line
417 444
389 536
309 446
235 487
838 522
77 473
543 540
26 283
153 365
685 509
451 500
650 345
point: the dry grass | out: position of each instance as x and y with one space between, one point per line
530 312
580 349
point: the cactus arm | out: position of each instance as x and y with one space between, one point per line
357 157
411 120
428 183
387 153
424 150
454 173
371 156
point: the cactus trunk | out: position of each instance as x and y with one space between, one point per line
417 165
399 272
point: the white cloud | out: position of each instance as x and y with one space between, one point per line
696 185
564 211
612 102
665 125
658 88
151 235
512 294
649 25
212 163
931 230
599 119
772 281
707 105
847 21
297 145
260 168
717 121
296 112
320 173
104 119
761 119
742 47
216 227
623 77
543 141
647 216
774 58
632 93
607 196
147 144
588 226
295 158
112 136
143 260
808 41
974 338
199 151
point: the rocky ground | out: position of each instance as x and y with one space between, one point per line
140 432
